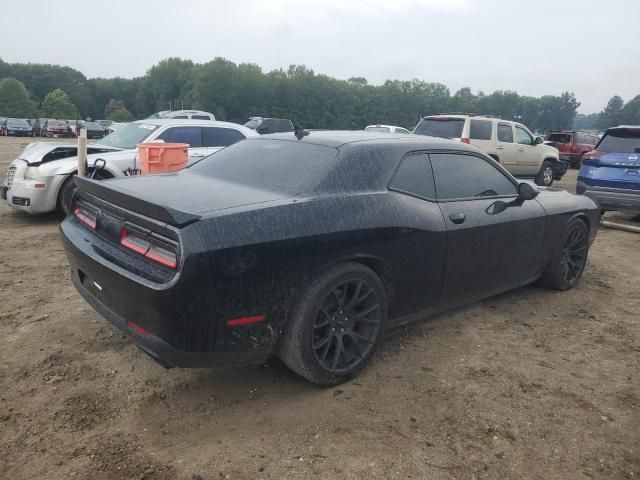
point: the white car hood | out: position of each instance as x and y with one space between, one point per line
44 152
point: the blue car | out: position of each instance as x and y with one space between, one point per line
610 174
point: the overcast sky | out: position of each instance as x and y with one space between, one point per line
534 47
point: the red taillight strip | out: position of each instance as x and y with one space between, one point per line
246 320
167 262
130 245
81 214
138 329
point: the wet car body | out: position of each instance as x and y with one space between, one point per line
610 174
245 251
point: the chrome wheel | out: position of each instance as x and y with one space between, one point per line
548 175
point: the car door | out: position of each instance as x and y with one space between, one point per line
528 157
190 134
506 148
487 250
216 138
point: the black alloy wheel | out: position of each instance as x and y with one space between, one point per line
573 256
346 326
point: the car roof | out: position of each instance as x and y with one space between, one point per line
193 122
634 127
338 138
377 125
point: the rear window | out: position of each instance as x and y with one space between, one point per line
620 141
440 127
480 129
283 166
559 138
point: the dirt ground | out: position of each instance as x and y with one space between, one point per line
530 384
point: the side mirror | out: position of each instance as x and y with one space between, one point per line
538 141
527 191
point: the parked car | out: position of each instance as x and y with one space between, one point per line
35 126
55 129
40 179
572 145
610 174
3 126
74 127
509 143
385 129
310 247
264 125
94 130
17 127
184 115
104 123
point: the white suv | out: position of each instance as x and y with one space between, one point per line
40 179
509 143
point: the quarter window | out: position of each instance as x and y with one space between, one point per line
480 129
467 176
201 117
414 176
221 137
505 133
523 137
190 135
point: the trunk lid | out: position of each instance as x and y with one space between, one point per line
616 170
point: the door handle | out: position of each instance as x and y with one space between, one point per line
499 147
457 218
196 155
521 149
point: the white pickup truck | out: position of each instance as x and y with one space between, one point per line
40 179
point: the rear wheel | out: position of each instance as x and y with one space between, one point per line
568 262
545 175
336 325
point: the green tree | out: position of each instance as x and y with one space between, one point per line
15 100
631 112
56 104
612 113
116 111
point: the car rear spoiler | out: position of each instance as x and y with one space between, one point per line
162 213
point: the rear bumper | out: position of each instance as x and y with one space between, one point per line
611 198
162 352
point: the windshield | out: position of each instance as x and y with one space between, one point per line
620 141
559 137
440 127
253 123
378 129
277 165
17 122
128 136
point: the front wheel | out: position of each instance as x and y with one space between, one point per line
336 325
568 262
545 175
69 187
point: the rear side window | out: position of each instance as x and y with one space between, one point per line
402 130
378 129
278 165
480 129
201 117
620 141
505 133
440 127
190 135
221 137
559 137
414 176
468 176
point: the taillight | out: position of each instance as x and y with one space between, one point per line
593 155
86 215
465 140
149 247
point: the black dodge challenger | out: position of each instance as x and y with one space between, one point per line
309 247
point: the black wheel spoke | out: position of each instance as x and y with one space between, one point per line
356 336
337 353
366 311
574 255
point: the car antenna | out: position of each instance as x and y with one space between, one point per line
300 132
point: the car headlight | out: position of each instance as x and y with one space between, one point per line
31 173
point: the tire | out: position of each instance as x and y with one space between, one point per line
545 175
336 325
567 263
69 187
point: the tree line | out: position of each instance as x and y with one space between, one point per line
233 92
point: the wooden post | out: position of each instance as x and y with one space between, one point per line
82 152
